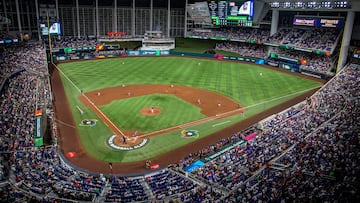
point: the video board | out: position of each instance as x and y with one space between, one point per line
318 21
231 12
356 53
55 29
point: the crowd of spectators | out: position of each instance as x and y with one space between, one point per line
22 91
319 63
9 194
278 36
168 184
124 189
23 67
64 42
322 39
293 37
17 113
243 49
201 194
307 153
238 33
313 62
323 166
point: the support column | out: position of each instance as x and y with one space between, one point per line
133 19
18 18
73 21
5 13
115 16
168 20
57 17
37 19
28 18
78 18
345 42
185 23
151 14
22 18
274 22
97 18
85 33
94 22
57 9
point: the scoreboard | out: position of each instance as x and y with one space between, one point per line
231 12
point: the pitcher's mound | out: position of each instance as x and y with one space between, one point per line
150 111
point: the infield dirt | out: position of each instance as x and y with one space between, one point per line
210 103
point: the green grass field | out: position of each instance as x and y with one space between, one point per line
241 82
132 120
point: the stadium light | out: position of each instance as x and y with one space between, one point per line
312 4
299 4
275 4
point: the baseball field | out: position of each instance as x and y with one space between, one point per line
127 110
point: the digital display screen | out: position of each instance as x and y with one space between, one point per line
231 13
318 22
356 53
55 29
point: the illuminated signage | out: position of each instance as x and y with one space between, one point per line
318 22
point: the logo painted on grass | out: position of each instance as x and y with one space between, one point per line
112 144
88 122
190 133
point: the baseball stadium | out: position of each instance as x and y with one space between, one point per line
179 101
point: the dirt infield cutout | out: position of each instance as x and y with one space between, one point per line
211 104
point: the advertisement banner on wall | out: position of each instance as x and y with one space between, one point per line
61 58
38 135
272 64
260 61
253 60
132 53
148 53
164 52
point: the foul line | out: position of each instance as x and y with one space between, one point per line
103 115
93 105
277 98
220 123
78 89
63 123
